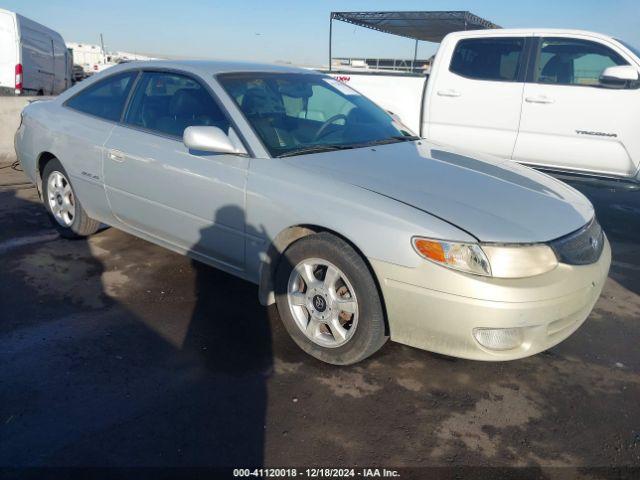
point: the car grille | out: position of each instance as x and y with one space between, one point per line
581 247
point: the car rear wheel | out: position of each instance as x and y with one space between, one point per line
65 210
328 300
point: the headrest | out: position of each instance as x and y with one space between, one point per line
260 101
186 102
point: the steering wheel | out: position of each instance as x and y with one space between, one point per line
322 130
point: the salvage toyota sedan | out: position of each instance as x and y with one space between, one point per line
356 229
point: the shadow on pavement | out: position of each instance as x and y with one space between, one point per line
85 381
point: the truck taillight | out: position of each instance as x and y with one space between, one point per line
18 78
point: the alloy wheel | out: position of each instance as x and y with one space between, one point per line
61 199
323 302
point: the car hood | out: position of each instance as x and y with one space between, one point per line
494 200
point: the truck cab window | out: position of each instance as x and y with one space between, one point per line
571 61
496 59
168 103
106 98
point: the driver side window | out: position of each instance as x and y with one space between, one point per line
569 61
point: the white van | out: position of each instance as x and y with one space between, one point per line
33 58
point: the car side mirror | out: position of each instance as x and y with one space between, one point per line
209 139
619 76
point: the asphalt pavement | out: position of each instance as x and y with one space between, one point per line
115 352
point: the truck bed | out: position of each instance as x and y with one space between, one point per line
398 93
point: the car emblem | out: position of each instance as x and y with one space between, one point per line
319 303
594 242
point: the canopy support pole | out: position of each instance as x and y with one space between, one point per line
330 34
415 56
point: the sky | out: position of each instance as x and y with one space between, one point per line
295 31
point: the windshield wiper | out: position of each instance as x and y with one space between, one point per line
385 141
406 138
331 148
315 149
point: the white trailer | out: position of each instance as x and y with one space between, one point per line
93 58
33 58
88 56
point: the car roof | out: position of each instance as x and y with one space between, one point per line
211 67
202 68
529 31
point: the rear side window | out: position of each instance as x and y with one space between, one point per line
168 103
570 61
106 98
497 59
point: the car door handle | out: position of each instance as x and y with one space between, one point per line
539 99
116 155
449 93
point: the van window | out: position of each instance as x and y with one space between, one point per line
106 98
497 59
168 103
570 61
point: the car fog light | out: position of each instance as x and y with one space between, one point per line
499 338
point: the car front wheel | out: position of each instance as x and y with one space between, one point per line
328 300
65 210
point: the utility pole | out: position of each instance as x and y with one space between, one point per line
104 54
330 35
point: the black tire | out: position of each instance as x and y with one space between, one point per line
82 225
369 335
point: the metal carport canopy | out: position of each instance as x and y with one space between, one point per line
427 26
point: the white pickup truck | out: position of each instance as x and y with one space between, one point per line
559 100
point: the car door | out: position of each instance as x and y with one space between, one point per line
475 100
191 201
569 120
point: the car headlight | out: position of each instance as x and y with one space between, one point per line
500 261
467 257
519 261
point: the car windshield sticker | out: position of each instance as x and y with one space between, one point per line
341 87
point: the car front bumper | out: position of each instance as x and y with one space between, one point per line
437 309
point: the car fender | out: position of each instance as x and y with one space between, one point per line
285 203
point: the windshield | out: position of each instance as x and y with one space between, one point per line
298 113
635 50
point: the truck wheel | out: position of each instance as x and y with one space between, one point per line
65 210
328 300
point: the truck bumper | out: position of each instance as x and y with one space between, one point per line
427 310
